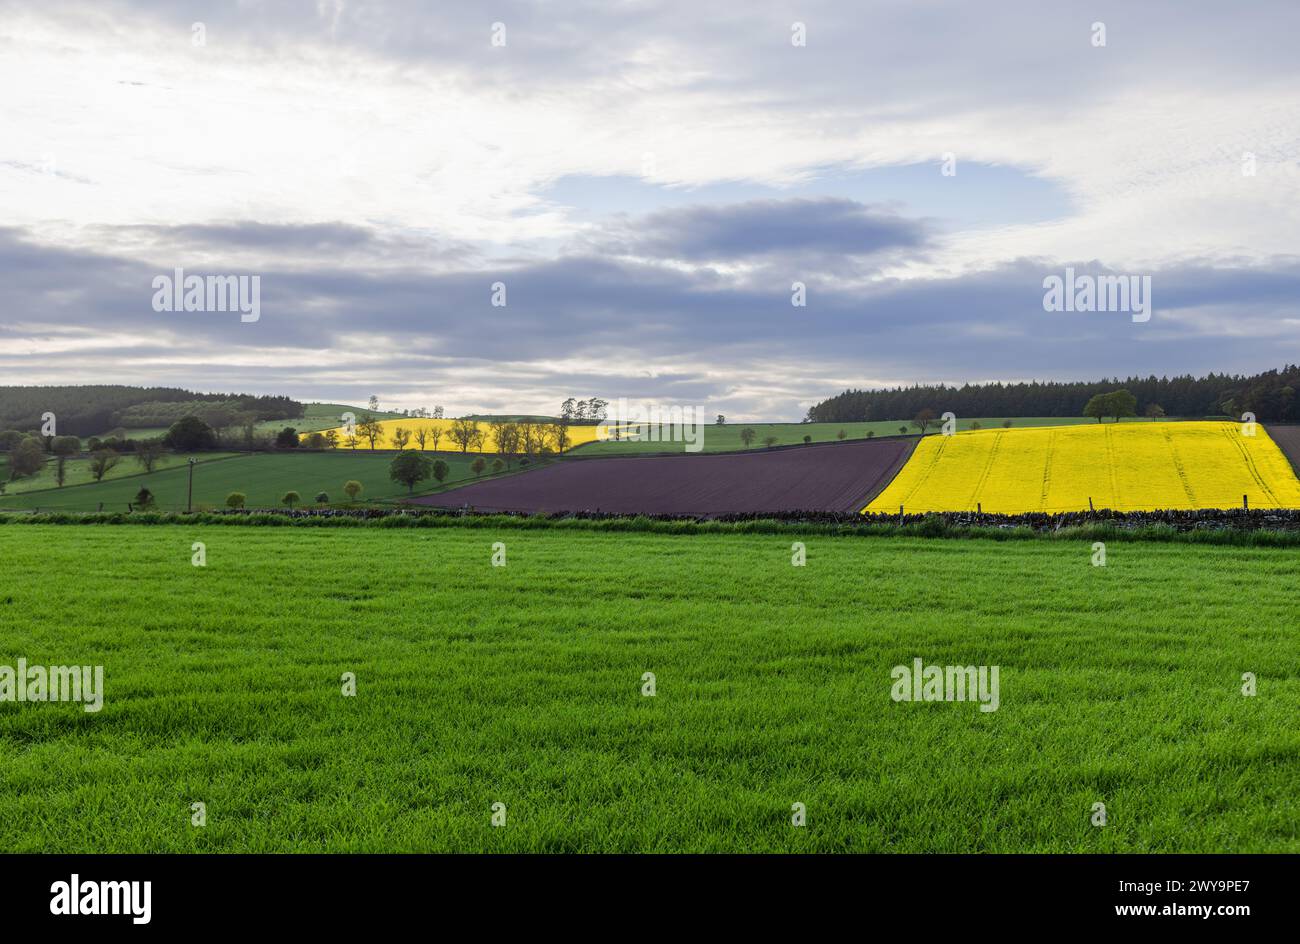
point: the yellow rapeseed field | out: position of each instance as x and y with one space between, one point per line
1123 467
442 430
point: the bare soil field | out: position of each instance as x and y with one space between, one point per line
1288 440
831 477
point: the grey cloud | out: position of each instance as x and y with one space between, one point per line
757 228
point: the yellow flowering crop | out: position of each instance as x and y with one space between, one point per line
1123 467
577 435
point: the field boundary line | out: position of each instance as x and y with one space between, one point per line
1115 500
1250 464
1047 469
988 467
1178 466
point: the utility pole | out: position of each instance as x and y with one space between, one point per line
189 498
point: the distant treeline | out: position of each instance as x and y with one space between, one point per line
1270 396
94 409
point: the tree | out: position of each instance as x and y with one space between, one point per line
352 488
1096 406
331 438
315 441
401 436
464 432
190 434
65 446
721 420
1006 424
1117 403
144 499
807 440
248 423
287 438
923 419
322 498
497 465
352 442
101 462
747 436
409 467
220 418
26 458
10 438
506 436
236 500
436 433
290 499
437 414
976 424
370 429
1155 411
1121 403
440 470
478 465
769 441
841 434
902 430
421 437
60 470
558 433
148 453
374 403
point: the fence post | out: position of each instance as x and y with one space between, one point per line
1090 508
1245 503
979 508
900 516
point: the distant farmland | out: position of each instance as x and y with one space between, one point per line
826 477
263 477
726 438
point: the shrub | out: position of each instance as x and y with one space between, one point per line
65 445
236 500
287 438
807 440
478 465
189 433
322 499
353 488
144 499
841 434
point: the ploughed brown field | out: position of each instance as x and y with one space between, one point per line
1288 440
840 476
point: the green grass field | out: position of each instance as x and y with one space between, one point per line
77 471
726 438
522 685
317 416
263 477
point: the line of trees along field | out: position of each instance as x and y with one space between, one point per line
1269 395
93 409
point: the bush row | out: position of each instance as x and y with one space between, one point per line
1234 527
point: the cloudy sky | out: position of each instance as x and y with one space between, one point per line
648 181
